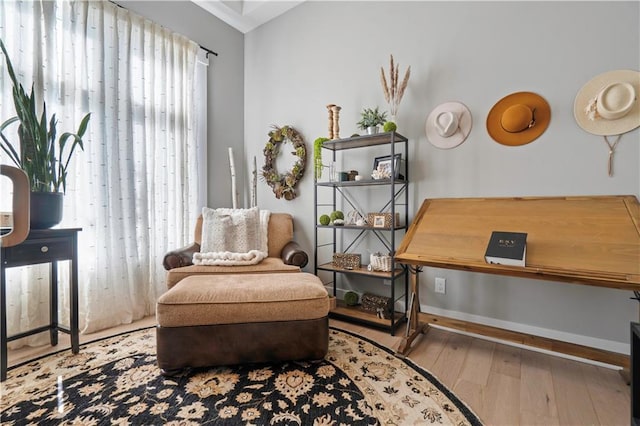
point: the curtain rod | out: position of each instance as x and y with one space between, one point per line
209 51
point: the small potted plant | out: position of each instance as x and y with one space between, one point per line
370 119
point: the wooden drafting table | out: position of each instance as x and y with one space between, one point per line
591 240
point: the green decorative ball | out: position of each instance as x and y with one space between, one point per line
324 220
337 214
389 126
351 298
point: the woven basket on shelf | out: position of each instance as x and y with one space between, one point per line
346 260
379 305
380 262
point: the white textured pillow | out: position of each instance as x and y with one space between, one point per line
230 230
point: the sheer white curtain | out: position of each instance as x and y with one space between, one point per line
136 188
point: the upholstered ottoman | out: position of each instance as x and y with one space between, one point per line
212 320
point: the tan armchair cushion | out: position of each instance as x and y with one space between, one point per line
280 232
269 265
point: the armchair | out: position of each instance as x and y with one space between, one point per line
222 315
284 255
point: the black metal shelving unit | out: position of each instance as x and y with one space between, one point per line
397 201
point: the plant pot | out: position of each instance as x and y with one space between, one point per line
46 209
372 130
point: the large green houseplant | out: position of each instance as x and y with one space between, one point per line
44 159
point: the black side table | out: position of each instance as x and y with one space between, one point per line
42 246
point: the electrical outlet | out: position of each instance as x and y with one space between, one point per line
441 285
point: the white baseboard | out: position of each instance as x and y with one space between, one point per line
578 339
593 342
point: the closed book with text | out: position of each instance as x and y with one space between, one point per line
507 248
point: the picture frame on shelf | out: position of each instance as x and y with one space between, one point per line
379 221
382 219
383 164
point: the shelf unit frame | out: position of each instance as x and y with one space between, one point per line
398 197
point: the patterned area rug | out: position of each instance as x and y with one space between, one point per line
116 381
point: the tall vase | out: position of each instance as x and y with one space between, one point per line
46 209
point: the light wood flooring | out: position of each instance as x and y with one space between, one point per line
503 385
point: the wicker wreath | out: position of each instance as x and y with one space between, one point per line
283 184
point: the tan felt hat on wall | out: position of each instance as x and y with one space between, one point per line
448 125
608 103
518 118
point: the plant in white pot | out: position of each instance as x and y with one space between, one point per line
370 119
44 161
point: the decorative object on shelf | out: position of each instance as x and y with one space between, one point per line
329 109
518 118
317 156
336 215
392 93
382 220
324 220
370 119
351 298
381 306
335 109
45 163
448 125
355 218
380 262
283 184
389 126
346 260
382 167
607 105
351 175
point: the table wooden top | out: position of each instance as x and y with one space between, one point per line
592 240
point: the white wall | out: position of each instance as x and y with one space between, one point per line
226 85
476 53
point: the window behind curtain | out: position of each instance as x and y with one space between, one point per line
139 185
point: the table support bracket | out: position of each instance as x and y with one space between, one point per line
414 327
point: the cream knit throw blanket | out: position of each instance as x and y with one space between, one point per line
233 237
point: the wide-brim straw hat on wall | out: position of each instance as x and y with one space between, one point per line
608 103
518 118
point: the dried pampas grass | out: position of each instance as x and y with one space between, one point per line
392 93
